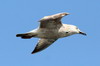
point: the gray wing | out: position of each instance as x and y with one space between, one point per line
53 21
42 44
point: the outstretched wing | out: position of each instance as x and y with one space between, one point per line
42 44
52 21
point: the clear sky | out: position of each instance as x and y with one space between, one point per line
20 16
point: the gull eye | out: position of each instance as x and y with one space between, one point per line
66 32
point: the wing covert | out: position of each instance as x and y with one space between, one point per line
52 21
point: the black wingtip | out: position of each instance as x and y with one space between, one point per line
33 52
18 35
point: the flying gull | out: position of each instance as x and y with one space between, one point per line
51 29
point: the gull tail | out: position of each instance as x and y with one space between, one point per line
25 35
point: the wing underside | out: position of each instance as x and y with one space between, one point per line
42 44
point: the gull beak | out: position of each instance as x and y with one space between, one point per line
82 33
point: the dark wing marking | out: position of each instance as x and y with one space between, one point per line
42 44
26 35
53 21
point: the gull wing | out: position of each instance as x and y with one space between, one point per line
42 44
52 21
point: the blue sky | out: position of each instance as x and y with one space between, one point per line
20 16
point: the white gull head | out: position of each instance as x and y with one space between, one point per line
72 29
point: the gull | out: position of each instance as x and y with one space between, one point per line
50 29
